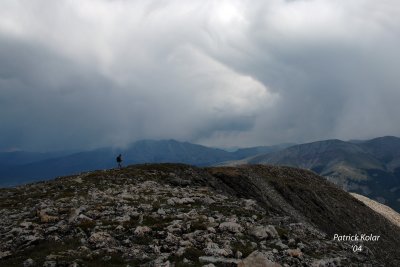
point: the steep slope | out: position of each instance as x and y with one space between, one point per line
178 215
387 212
369 167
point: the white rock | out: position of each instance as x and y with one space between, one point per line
281 245
238 254
75 213
211 229
29 263
142 230
180 251
124 218
49 264
231 227
263 232
213 249
161 211
5 254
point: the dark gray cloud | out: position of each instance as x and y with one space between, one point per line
79 74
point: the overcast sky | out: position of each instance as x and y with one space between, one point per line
84 74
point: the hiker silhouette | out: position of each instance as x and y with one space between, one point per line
119 161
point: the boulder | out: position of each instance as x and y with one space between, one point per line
263 232
29 263
102 240
142 230
231 227
213 249
44 218
294 253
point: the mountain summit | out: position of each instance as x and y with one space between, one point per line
179 215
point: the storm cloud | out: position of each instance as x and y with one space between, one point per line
86 74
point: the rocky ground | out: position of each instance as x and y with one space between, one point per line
155 216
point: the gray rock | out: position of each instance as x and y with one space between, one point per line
231 227
102 239
218 260
281 245
238 254
5 254
161 211
142 230
29 263
259 232
50 264
213 249
257 259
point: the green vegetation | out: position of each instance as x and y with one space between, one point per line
243 246
39 252
192 254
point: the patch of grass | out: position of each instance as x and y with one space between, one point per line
114 260
243 246
156 224
143 240
66 194
86 225
283 233
39 252
191 254
109 222
132 223
199 225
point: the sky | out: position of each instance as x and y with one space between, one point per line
85 74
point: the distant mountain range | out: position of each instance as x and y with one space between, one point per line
23 167
370 168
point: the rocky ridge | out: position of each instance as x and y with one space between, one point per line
178 215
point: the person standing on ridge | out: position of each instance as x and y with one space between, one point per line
119 161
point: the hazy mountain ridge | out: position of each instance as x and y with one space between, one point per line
22 167
179 215
369 167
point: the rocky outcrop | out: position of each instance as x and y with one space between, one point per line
140 216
